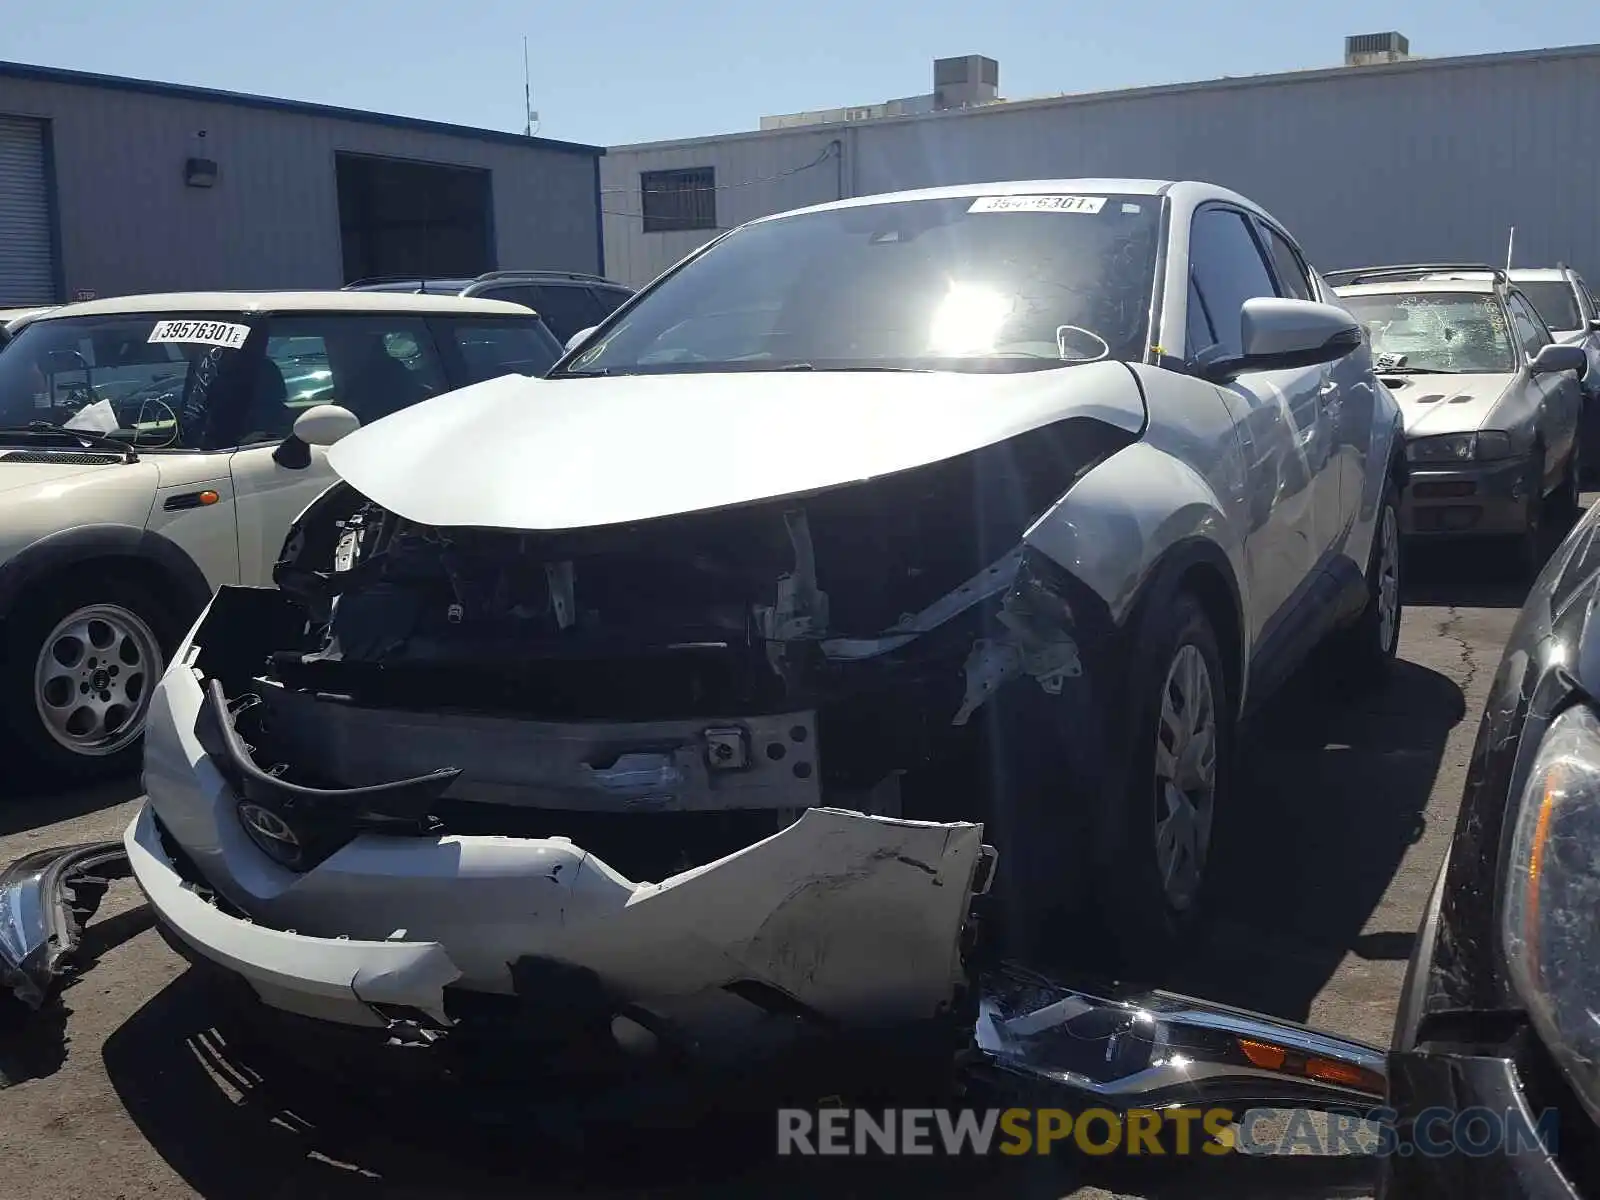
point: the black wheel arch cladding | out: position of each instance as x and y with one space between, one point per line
84 545
1198 566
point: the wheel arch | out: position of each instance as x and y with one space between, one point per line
1198 566
156 561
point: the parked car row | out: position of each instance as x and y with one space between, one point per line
1493 400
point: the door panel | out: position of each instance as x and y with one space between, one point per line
1276 414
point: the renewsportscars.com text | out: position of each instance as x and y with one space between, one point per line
1158 1132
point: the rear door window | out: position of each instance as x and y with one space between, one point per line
482 349
609 300
371 365
566 308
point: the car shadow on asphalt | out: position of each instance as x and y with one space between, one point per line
1331 792
32 803
237 1121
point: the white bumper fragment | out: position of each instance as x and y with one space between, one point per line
856 917
335 979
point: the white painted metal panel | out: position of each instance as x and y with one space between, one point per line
27 269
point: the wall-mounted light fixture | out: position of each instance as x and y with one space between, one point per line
198 170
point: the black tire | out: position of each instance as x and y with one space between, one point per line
1139 918
149 632
1568 500
1361 653
1527 551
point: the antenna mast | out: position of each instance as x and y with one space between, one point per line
527 92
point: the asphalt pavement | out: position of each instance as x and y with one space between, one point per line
126 1089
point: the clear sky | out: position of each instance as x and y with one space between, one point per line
616 71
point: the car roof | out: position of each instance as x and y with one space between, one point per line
1541 274
247 303
1477 285
1192 191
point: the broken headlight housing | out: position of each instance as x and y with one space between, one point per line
1487 446
1552 891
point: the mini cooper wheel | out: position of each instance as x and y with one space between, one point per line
81 662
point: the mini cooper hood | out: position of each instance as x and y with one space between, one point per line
519 453
15 476
1435 404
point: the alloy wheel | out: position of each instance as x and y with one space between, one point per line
93 678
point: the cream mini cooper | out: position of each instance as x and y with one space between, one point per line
154 448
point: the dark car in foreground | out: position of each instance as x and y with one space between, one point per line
1497 1014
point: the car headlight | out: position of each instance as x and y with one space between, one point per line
1550 936
1460 447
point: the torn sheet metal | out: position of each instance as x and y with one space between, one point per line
45 899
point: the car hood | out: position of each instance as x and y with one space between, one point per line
1434 404
15 476
519 453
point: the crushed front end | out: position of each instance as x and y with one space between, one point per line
420 778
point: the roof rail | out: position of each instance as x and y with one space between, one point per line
421 281
536 273
1356 275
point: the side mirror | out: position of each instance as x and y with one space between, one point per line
322 425
1556 357
580 338
325 424
1279 335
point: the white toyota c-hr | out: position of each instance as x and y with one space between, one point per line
866 535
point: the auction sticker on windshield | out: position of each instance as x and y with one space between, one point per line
203 333
1067 204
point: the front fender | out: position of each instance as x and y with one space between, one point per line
1124 516
85 543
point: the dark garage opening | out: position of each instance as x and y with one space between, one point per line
409 218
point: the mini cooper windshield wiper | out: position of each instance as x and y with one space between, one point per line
45 431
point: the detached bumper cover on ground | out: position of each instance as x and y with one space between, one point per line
45 898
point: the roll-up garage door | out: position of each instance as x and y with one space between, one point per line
27 274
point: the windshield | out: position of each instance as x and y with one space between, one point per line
966 284
1555 301
1452 332
131 376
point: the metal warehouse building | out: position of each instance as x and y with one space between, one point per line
111 186
1388 158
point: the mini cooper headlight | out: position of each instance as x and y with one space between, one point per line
1551 937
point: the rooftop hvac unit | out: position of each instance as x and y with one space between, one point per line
1364 49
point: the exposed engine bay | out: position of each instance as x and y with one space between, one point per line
674 688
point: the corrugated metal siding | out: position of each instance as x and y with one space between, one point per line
1368 165
128 223
27 269
769 174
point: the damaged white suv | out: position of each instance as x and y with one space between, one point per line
973 511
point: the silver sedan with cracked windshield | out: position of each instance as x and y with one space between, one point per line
868 536
1492 401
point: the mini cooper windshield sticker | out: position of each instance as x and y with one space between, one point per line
202 333
1062 204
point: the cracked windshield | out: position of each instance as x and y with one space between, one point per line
698 601
1432 331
